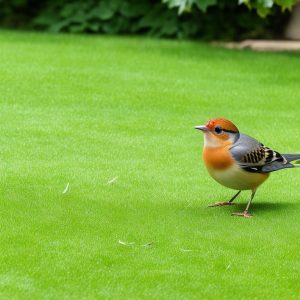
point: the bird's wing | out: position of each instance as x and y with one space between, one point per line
253 156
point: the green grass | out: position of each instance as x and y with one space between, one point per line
84 110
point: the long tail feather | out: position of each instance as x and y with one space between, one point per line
291 157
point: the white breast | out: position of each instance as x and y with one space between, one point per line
238 179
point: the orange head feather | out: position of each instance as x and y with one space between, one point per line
219 132
223 123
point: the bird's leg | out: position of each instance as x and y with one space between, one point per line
245 213
226 202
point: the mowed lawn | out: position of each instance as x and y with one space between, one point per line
113 117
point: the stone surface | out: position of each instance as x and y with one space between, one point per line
293 28
265 45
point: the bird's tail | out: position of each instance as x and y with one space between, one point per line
292 157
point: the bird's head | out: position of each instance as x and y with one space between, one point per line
219 132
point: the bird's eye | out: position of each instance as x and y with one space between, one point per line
218 130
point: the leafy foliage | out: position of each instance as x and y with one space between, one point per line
264 7
205 19
186 5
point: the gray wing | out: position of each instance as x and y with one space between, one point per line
253 156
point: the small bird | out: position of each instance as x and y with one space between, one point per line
238 161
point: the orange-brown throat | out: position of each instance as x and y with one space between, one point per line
217 157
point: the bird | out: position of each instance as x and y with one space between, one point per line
238 161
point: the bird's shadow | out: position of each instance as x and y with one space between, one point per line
267 206
256 207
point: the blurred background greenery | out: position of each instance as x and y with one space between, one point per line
196 19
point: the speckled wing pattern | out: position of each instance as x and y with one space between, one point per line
253 156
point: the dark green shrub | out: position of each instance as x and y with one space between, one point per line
262 7
204 19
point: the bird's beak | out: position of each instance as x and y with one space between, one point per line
201 127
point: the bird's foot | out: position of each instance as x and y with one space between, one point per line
244 214
221 204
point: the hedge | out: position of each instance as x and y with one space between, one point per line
200 19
